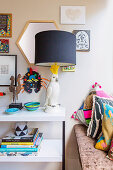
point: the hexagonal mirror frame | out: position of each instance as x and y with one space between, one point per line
26 40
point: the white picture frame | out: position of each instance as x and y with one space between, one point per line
8 68
82 40
73 15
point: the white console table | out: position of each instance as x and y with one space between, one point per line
52 150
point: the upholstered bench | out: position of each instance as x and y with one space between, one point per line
90 158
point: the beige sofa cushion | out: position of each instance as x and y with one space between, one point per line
91 158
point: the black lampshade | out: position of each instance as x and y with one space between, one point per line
55 47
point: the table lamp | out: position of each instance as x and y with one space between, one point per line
54 48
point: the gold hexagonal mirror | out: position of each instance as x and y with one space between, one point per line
26 41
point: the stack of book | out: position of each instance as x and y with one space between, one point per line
27 145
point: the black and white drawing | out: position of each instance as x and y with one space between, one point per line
82 40
8 68
4 69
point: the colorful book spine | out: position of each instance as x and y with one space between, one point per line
23 139
38 141
28 153
17 143
18 149
36 135
19 153
20 143
17 146
24 146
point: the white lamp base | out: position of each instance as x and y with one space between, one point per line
50 109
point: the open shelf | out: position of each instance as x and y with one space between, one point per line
38 115
50 151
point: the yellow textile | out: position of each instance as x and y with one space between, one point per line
107 129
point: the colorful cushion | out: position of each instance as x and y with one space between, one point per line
110 153
107 129
84 112
80 116
95 126
101 93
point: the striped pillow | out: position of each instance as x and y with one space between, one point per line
80 116
95 126
83 114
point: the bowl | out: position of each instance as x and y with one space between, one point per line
11 111
32 106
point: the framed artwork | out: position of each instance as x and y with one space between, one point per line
5 25
26 40
73 14
68 69
4 46
8 68
82 40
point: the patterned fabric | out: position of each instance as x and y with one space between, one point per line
95 126
84 112
91 158
110 153
80 117
101 93
107 129
87 115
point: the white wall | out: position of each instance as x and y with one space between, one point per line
92 66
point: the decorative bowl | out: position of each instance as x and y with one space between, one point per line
32 106
11 111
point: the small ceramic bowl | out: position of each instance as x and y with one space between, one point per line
11 111
32 106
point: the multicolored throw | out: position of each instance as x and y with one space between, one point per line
107 129
95 126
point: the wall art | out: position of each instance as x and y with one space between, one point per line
68 68
4 46
5 25
8 68
72 14
33 80
82 40
26 40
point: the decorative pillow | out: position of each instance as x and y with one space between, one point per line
85 111
95 126
110 153
107 129
80 116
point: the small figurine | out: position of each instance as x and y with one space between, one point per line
15 89
18 87
12 87
53 90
